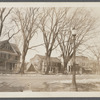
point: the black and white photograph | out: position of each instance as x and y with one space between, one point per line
49 48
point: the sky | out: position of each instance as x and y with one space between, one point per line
41 50
39 39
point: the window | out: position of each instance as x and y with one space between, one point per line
9 48
9 56
0 55
16 57
1 63
4 55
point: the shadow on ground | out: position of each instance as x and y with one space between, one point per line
5 87
62 87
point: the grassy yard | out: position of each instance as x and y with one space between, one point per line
46 83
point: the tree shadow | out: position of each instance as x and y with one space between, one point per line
5 87
84 87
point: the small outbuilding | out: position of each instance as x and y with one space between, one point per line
30 67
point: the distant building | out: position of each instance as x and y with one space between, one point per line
83 65
9 57
40 65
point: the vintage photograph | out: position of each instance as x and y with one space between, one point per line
50 49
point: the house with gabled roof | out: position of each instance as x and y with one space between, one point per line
39 64
9 57
83 65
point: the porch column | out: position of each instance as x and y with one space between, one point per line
43 67
5 65
67 68
12 67
70 69
5 68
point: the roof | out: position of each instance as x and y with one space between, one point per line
53 59
3 41
87 68
82 57
33 67
14 46
28 66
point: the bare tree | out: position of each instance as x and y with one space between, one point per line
4 13
84 24
6 26
81 20
51 25
95 51
27 21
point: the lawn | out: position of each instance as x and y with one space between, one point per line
47 83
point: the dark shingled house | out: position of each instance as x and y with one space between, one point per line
9 57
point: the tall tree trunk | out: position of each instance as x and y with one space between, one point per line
47 63
74 85
22 64
65 66
23 58
65 62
